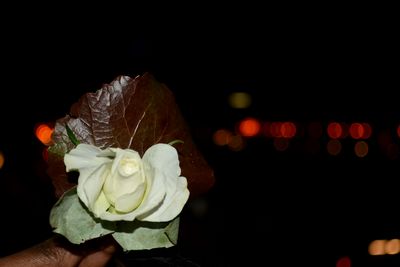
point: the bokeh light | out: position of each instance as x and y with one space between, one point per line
367 130
275 129
335 130
398 131
356 130
1 159
43 132
236 143
249 127
343 262
361 149
222 137
334 147
239 100
392 246
377 247
288 129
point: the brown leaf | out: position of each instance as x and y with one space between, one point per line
129 113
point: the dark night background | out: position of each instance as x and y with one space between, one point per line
291 207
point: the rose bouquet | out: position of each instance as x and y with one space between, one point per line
136 161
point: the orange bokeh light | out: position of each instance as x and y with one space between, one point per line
222 137
377 247
392 246
335 130
43 132
249 127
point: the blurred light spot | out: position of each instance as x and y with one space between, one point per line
43 133
249 127
239 100
343 262
335 130
377 247
222 137
392 246
361 149
288 129
356 130
334 147
398 131
367 131
1 159
315 129
281 144
236 143
275 129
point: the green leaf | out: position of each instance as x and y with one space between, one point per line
72 219
177 141
71 135
139 235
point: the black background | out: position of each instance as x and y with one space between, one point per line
266 206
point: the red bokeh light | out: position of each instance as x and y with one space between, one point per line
249 127
335 130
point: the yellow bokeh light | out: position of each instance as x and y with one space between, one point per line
377 247
1 160
239 100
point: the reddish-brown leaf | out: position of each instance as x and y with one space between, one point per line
129 113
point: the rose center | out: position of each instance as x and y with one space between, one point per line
128 167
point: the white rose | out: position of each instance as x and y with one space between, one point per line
117 184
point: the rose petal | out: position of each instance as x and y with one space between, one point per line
101 205
84 159
90 183
175 199
84 156
129 202
121 185
164 160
